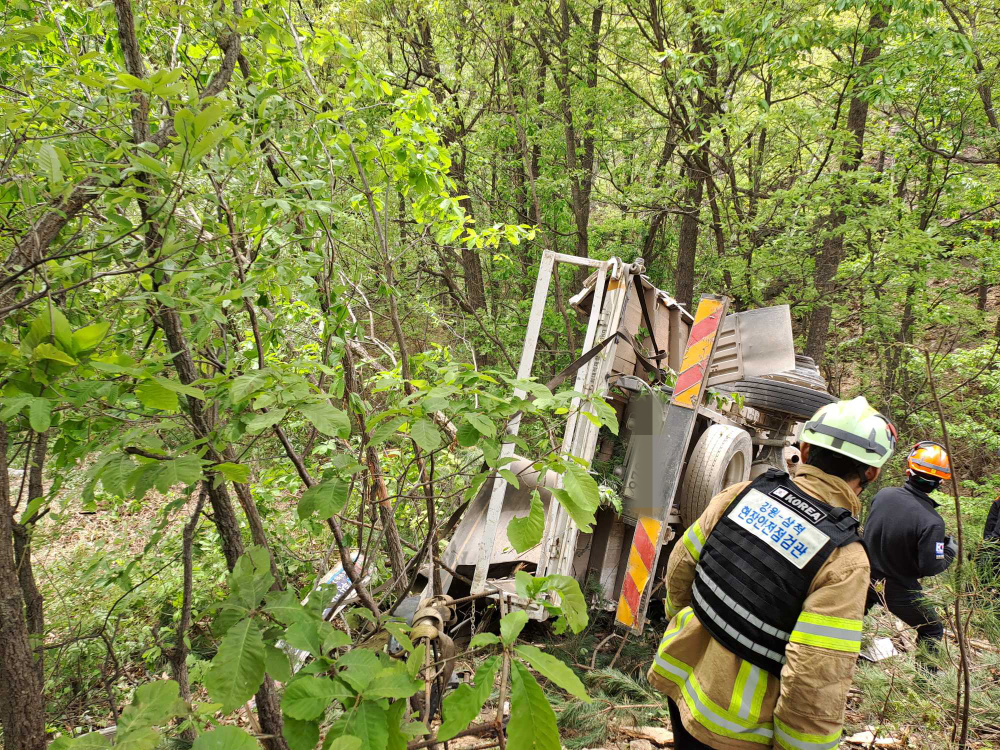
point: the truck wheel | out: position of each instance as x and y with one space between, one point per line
720 459
784 398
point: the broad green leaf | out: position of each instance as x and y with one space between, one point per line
585 496
144 738
358 668
276 664
343 742
399 631
40 414
463 704
47 351
532 723
246 385
572 605
525 533
426 434
92 741
385 430
12 406
90 336
328 419
483 639
511 478
394 721
335 639
178 387
153 395
300 735
238 668
266 420
251 578
305 635
307 698
482 423
605 413
234 472
153 703
467 435
49 163
326 498
286 607
511 626
48 325
184 470
554 670
225 738
367 722
392 682
415 661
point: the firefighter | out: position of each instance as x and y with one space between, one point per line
906 541
766 594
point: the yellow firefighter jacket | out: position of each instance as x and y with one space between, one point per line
725 701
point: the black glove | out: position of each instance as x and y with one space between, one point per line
951 545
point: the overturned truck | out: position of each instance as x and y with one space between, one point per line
679 443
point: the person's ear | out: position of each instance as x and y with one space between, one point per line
872 473
804 449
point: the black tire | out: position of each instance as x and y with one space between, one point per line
720 459
783 398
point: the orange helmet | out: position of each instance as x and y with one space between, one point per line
930 459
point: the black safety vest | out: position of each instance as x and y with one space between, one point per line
758 563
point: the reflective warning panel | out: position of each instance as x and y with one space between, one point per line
694 365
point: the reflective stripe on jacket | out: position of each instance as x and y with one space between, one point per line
725 701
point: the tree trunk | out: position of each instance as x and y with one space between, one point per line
22 711
33 600
832 252
687 240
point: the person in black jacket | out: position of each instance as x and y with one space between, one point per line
989 553
906 541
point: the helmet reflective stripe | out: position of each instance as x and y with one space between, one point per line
852 428
839 434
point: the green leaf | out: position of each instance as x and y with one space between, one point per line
40 414
153 703
328 419
525 533
511 626
266 420
184 470
483 639
426 434
335 639
246 385
584 494
399 632
571 605
47 351
225 738
554 670
307 698
397 738
251 578
326 498
234 472
178 387
463 705
51 324
605 413
90 336
367 722
49 163
286 607
92 741
12 406
146 738
532 723
238 668
483 424
467 435
392 682
358 668
344 742
301 735
153 395
114 475
415 661
305 635
276 664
